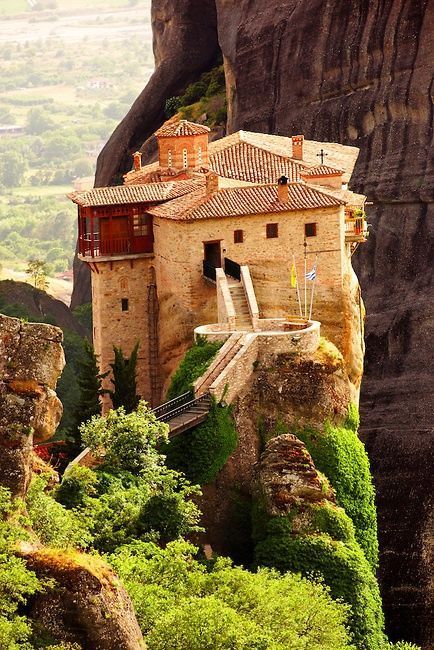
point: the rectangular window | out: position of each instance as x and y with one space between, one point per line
140 225
124 304
238 236
310 229
272 230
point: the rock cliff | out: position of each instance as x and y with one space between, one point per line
357 73
87 604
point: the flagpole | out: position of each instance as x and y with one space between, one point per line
313 290
296 287
305 271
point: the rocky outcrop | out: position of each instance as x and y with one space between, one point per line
287 477
31 360
357 73
87 604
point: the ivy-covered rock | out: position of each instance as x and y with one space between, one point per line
338 453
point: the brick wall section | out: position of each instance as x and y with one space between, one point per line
176 145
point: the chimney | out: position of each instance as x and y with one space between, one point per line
282 190
137 157
297 147
212 183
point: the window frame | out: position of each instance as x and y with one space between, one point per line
272 230
238 236
125 304
315 229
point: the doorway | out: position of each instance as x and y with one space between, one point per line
212 253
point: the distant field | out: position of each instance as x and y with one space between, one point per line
44 190
10 7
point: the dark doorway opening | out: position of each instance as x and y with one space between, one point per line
212 253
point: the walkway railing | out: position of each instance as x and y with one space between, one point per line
209 270
171 409
233 269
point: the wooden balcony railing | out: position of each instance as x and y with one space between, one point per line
115 246
356 229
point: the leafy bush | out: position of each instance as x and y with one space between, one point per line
339 454
341 564
195 362
16 581
133 495
182 604
202 452
54 524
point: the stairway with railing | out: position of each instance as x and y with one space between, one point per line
184 412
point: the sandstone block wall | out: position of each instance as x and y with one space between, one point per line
111 284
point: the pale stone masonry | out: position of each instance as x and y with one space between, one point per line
155 245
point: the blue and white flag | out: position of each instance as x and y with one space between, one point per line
312 274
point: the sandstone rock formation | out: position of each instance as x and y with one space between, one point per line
86 605
357 73
31 360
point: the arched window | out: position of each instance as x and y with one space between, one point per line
169 158
199 156
185 158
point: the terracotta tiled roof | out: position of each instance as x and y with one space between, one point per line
124 194
181 127
243 201
322 170
248 162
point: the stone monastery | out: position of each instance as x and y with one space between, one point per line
211 237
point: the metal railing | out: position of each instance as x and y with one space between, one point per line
209 270
179 405
233 269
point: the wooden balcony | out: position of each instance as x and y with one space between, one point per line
94 247
356 230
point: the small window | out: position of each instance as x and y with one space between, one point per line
199 156
272 230
169 158
185 158
124 304
310 229
140 225
238 236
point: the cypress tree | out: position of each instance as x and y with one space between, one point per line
90 384
124 380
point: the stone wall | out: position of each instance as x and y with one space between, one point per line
113 282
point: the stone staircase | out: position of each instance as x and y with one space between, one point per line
243 319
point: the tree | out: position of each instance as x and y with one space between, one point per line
90 385
39 121
12 169
37 270
124 380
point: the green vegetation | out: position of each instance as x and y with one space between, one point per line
195 362
339 454
89 383
17 583
124 382
133 495
67 93
206 97
202 452
326 547
184 604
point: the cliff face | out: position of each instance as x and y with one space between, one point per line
357 73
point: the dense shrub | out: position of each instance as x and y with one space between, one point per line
339 454
340 562
182 604
202 452
195 362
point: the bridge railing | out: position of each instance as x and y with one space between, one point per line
179 405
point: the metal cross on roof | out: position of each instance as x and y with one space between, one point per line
322 153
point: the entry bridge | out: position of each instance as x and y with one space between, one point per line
183 412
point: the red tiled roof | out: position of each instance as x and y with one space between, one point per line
322 170
243 201
246 162
124 194
181 127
